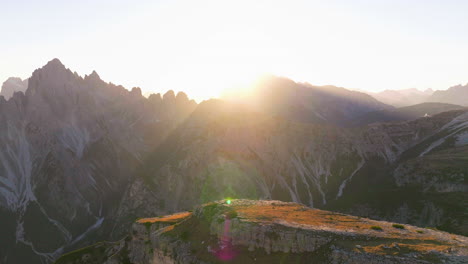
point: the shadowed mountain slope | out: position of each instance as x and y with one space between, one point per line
402 98
405 113
224 150
307 103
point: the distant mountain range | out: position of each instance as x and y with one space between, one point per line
457 95
453 95
401 98
81 158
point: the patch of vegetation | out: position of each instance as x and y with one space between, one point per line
398 226
377 228
420 231
231 214
185 235
147 225
210 210
97 251
40 230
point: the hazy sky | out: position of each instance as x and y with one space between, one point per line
202 47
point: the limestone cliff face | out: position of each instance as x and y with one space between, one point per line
248 231
69 147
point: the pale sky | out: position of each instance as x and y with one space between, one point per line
205 46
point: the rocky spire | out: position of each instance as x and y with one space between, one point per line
12 85
169 97
52 76
181 98
92 76
136 91
54 64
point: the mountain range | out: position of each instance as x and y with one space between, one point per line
402 98
81 159
454 95
457 95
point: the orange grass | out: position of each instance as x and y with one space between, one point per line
405 248
174 218
318 219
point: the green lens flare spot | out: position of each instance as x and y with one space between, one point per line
228 201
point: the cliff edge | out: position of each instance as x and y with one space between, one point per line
247 231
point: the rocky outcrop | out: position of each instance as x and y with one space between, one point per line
246 231
13 85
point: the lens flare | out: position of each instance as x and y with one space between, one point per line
228 201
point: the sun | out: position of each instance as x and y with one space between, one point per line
223 64
217 78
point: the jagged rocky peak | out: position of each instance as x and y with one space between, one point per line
136 91
12 85
93 79
428 91
51 77
94 76
54 64
182 98
169 96
247 231
155 99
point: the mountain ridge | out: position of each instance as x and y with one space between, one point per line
456 94
69 148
